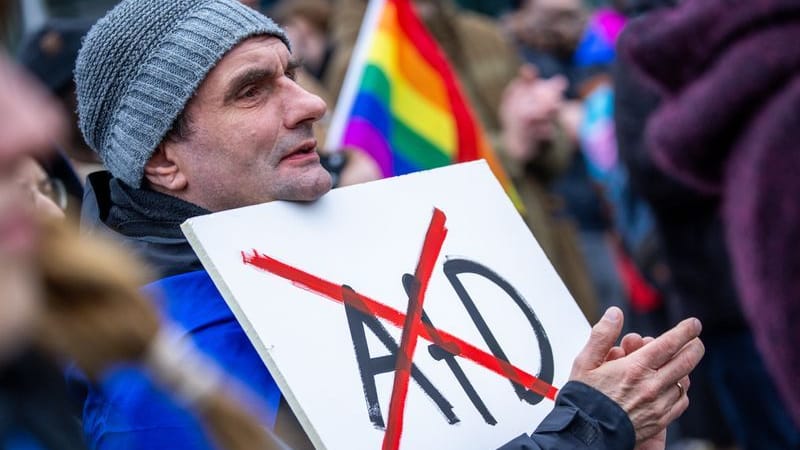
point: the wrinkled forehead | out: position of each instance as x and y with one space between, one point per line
255 44
31 119
263 50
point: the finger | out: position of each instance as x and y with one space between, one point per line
662 409
671 411
631 342
664 348
648 339
676 390
683 390
683 363
615 353
603 336
679 406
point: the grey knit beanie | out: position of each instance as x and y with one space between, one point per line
141 63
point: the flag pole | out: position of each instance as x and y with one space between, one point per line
352 78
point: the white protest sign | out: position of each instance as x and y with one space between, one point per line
403 313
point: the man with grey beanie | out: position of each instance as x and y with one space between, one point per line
193 108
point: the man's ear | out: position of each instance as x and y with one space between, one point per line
163 170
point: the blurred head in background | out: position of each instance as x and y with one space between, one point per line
306 25
49 54
553 26
32 122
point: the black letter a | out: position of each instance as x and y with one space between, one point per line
370 367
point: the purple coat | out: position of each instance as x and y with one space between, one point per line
729 126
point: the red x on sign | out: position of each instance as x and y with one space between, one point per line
411 324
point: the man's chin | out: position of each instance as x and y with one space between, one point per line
324 186
313 187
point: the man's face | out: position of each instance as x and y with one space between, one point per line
251 138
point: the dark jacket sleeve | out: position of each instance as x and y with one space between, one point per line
583 418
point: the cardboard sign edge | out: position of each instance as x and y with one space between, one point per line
252 335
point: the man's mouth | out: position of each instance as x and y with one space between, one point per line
308 149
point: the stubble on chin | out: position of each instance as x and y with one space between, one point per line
316 185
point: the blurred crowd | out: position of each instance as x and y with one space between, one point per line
652 142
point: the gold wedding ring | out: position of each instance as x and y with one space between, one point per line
680 389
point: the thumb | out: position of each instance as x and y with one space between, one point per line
601 340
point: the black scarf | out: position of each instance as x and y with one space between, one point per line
150 222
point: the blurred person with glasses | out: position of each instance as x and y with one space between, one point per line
48 194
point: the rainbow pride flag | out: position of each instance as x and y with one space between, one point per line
402 104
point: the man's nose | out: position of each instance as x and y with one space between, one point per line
303 107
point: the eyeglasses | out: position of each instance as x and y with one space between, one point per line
54 189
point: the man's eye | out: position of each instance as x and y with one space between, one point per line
291 74
249 92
